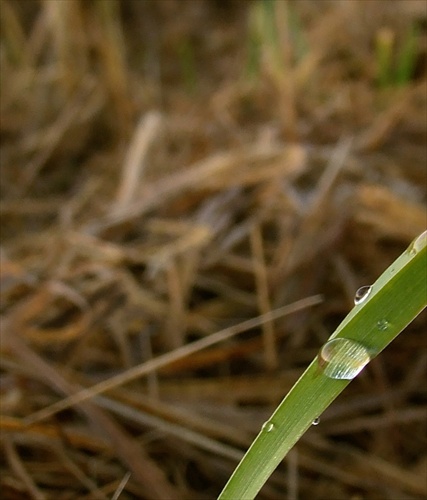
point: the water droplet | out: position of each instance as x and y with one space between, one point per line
343 359
418 244
316 421
383 325
362 294
267 426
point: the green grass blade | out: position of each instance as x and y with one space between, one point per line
384 57
395 299
407 57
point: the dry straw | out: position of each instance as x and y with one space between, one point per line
173 173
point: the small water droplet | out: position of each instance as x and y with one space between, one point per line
267 426
343 359
316 421
362 294
418 244
383 325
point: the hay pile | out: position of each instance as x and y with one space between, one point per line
169 172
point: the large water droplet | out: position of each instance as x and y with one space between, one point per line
316 421
267 426
418 244
383 325
343 359
362 294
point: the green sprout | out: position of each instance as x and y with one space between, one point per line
380 313
396 69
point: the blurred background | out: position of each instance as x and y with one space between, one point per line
171 168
